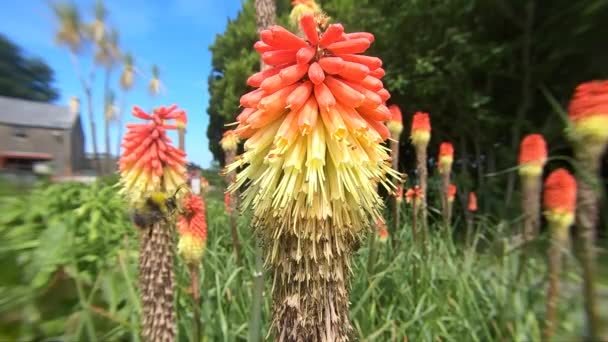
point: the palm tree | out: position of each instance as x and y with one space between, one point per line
106 56
70 35
155 83
127 80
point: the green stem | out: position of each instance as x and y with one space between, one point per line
258 293
371 257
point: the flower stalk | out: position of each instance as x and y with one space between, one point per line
151 173
532 158
470 216
229 143
588 113
559 204
395 126
444 165
192 228
420 137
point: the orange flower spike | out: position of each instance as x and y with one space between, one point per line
227 202
451 192
472 206
421 129
559 199
588 112
149 163
395 124
532 155
192 228
414 195
446 157
383 235
399 194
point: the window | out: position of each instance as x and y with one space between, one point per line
19 132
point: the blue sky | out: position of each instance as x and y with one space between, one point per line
175 36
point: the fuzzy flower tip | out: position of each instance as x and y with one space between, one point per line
588 111
399 194
230 141
421 129
414 195
559 200
314 129
472 202
192 228
446 157
451 192
301 8
149 163
382 232
395 124
532 155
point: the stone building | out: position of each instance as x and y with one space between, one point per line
35 136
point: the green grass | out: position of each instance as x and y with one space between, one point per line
58 281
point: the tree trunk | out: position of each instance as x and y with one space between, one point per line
96 161
107 167
526 92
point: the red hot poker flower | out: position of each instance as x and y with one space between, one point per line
414 195
395 124
446 157
227 202
532 155
451 192
421 129
472 202
560 197
192 228
149 163
588 111
399 194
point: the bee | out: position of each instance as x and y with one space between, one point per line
159 206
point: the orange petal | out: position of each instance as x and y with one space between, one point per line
299 96
331 65
342 92
354 71
305 55
315 73
277 57
331 35
357 45
324 97
372 63
309 27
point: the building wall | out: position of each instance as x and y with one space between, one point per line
56 142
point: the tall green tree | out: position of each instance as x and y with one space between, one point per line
24 77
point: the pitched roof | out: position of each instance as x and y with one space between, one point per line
21 112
